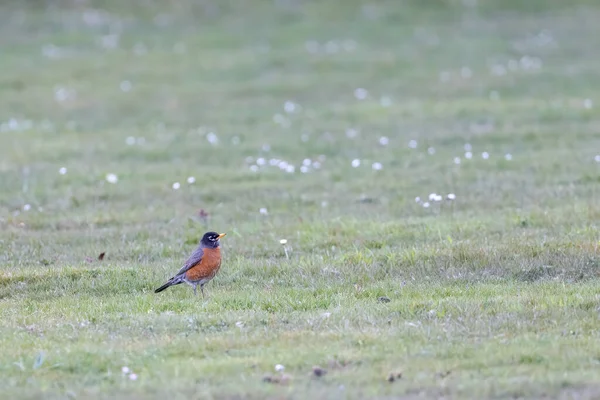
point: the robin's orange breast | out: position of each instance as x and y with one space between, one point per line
207 268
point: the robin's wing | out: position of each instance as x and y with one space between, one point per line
194 259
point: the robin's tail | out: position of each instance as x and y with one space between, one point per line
176 280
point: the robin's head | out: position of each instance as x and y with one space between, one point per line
211 239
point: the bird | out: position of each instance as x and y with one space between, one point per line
201 266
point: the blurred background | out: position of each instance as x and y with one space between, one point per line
263 116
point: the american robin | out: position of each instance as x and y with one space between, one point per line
201 266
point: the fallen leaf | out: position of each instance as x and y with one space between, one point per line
318 371
393 376
443 374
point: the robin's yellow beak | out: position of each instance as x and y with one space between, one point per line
221 235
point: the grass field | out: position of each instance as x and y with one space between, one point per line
130 130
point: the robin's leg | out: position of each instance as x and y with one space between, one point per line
202 289
195 294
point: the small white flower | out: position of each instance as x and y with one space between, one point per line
431 151
385 101
361 93
112 178
254 168
437 198
191 180
466 73
290 169
212 138
239 324
356 163
289 107
432 196
304 169
125 86
457 160
316 165
266 147
133 377
412 144
176 186
451 196
279 368
508 156
62 171
261 161
312 46
263 211
61 94
377 166
468 155
485 155
351 133
417 199
588 104
384 141
125 370
130 141
468 147
27 207
426 204
597 158
283 241
331 47
306 162
499 70
324 203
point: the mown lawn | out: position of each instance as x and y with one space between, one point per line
434 167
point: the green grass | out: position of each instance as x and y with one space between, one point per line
492 295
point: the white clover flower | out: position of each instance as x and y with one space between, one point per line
112 178
361 93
